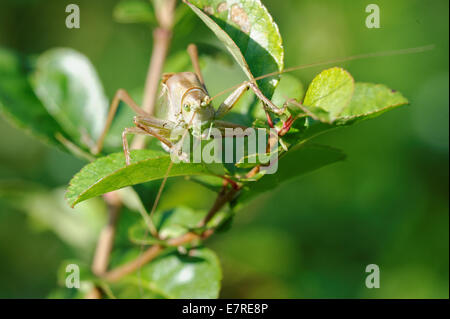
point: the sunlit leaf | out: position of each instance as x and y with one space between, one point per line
196 274
110 173
370 100
19 104
331 90
248 31
68 85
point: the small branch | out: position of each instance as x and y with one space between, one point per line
162 37
107 235
161 43
224 196
117 273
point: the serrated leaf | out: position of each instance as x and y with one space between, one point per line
370 100
68 85
298 161
331 90
248 31
19 104
134 11
109 173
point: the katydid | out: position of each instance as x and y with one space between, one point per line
189 106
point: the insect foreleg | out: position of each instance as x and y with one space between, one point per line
126 149
231 100
121 95
268 105
234 97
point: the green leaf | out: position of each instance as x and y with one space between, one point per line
174 223
170 224
331 90
288 88
86 274
252 160
109 173
134 11
133 288
368 101
68 85
19 104
173 275
300 160
248 31
47 210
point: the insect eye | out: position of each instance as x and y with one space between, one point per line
186 107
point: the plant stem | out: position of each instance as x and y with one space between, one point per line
162 37
161 43
154 251
107 235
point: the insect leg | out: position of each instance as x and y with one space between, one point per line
231 100
121 95
154 122
126 149
142 130
268 105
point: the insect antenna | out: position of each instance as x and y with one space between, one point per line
336 60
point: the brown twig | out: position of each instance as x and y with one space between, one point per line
107 235
224 196
161 43
162 37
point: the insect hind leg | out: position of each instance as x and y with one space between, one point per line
121 95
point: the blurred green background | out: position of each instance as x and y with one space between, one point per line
387 204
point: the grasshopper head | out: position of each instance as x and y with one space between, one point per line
197 101
186 91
